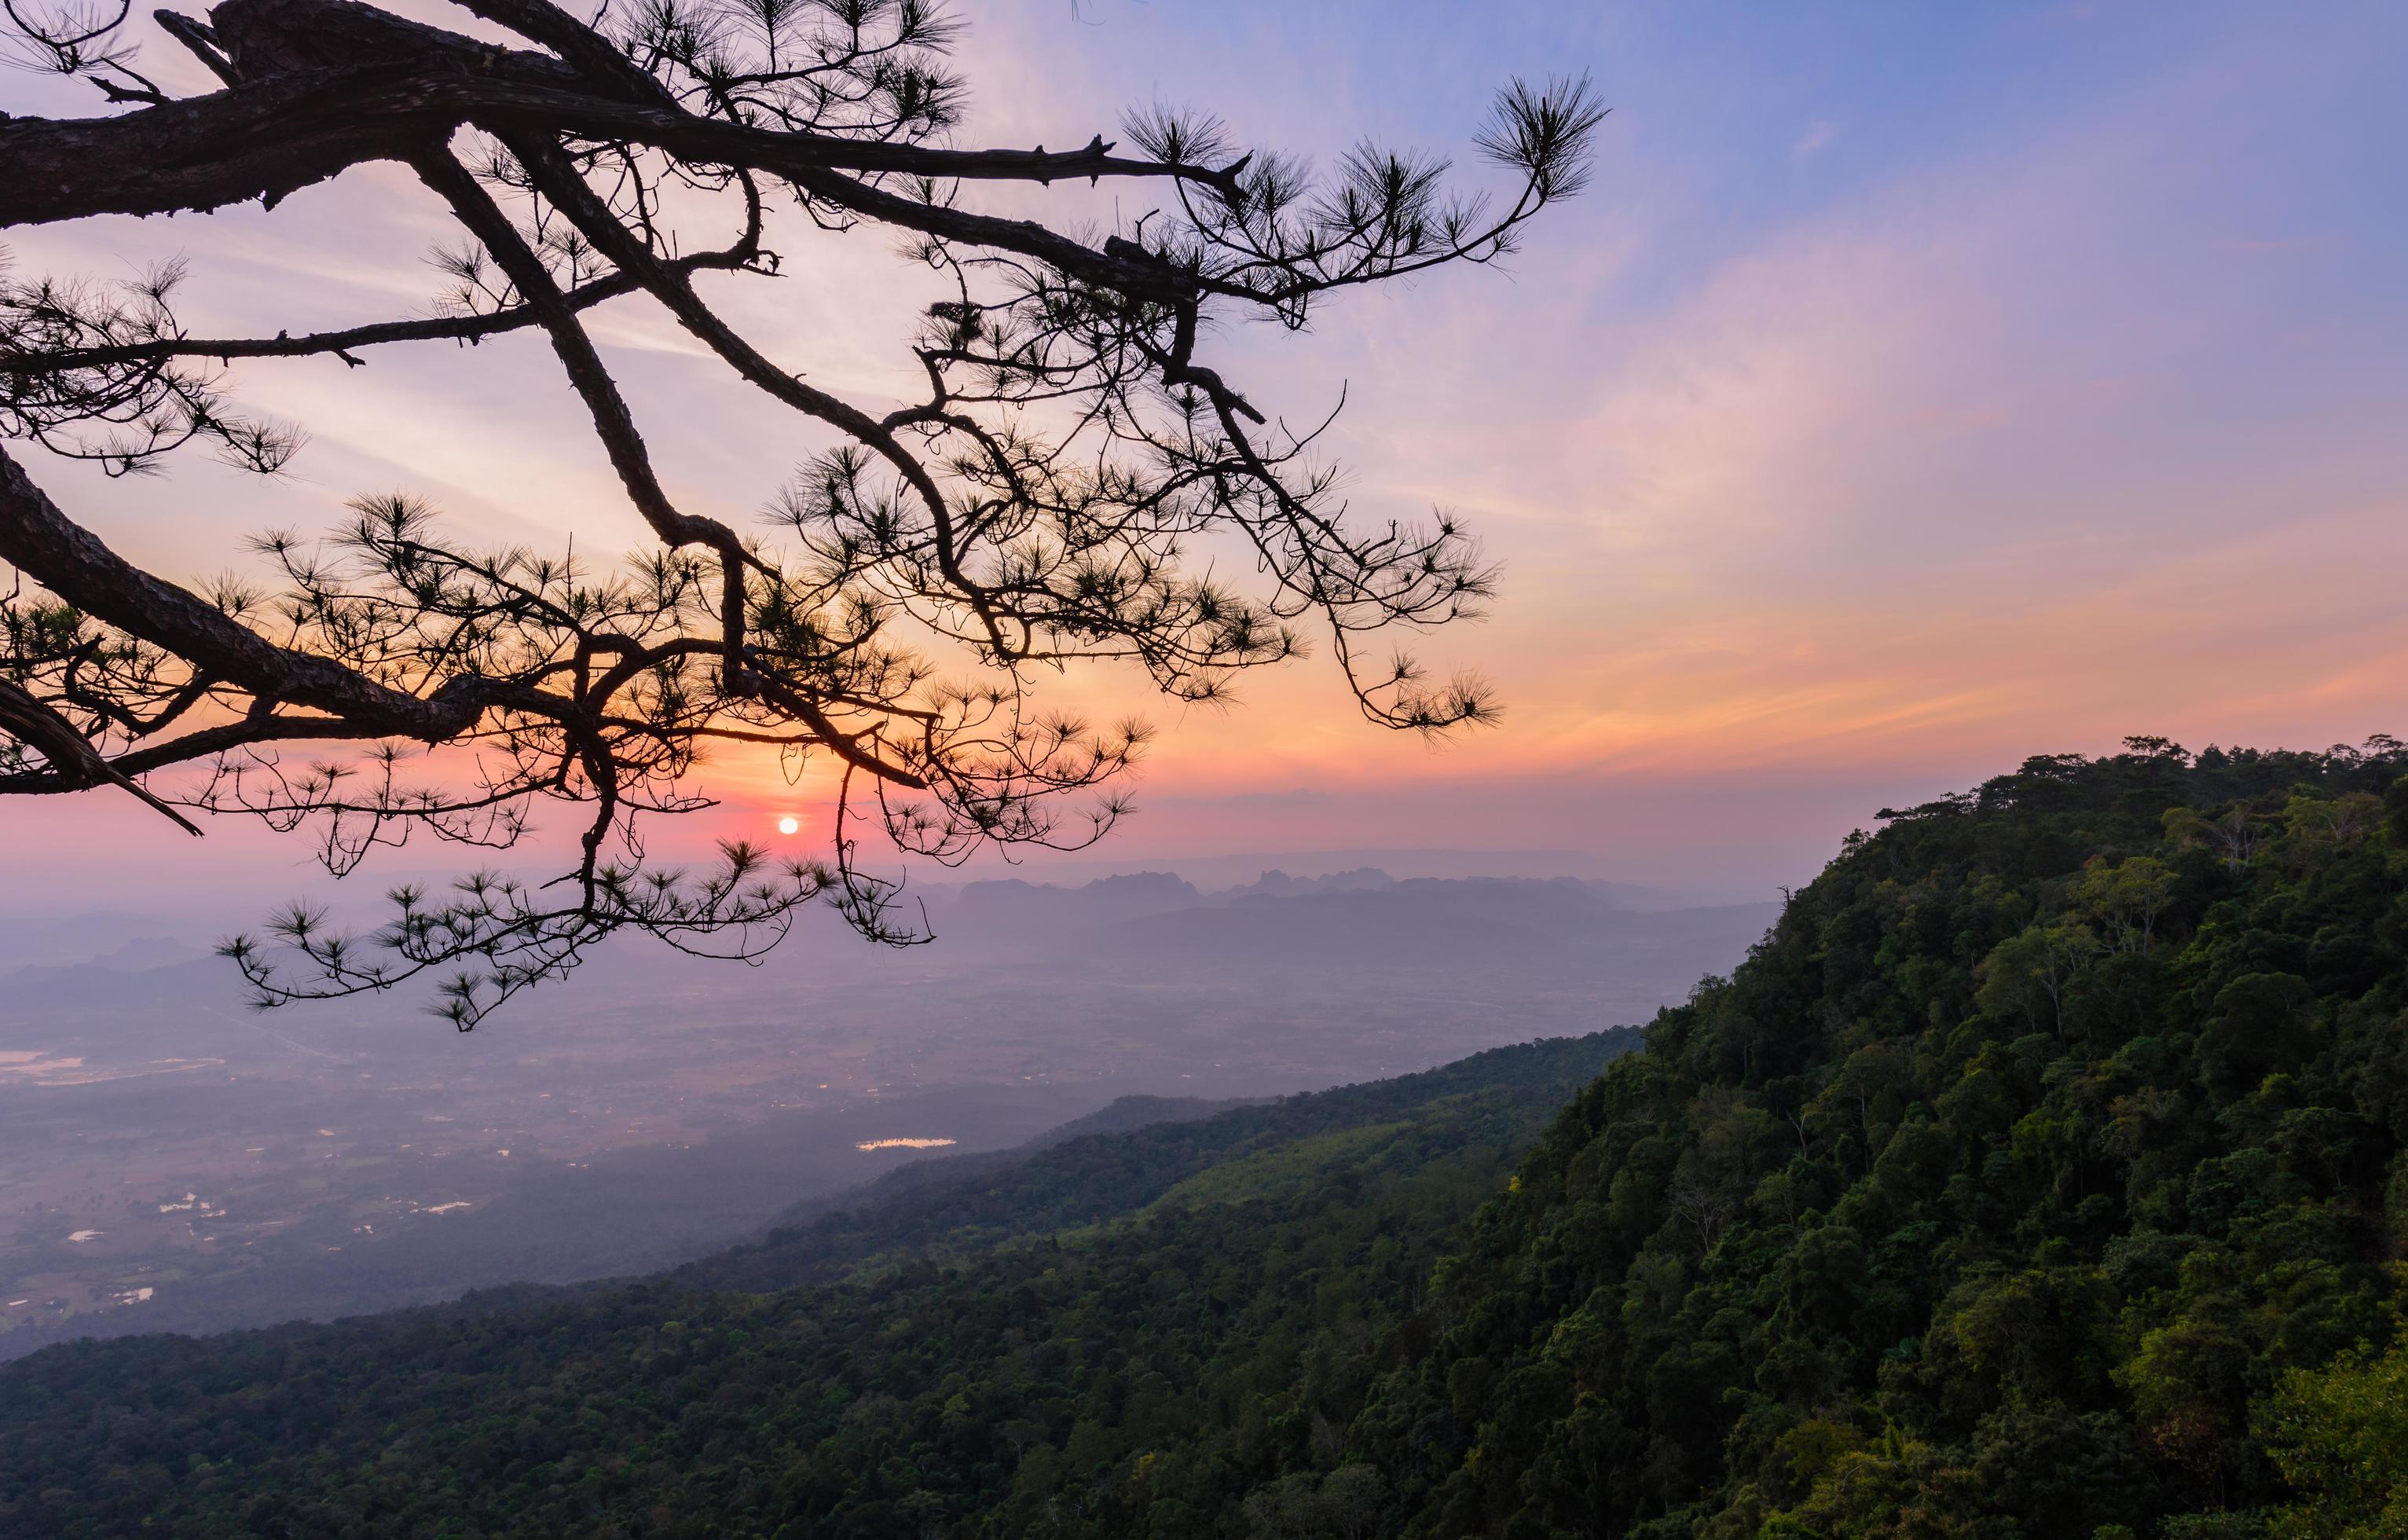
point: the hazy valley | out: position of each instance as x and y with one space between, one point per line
175 1162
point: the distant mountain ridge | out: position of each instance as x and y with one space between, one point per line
1363 916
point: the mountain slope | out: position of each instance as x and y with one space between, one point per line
1083 1181
2044 1153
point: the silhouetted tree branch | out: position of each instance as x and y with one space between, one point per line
1050 501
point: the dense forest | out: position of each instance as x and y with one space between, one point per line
2040 1174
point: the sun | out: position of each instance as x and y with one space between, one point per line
788 824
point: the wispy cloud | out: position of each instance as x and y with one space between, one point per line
1814 139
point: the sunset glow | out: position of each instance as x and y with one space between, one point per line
1851 494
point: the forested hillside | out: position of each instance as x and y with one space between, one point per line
2040 1174
1502 1096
